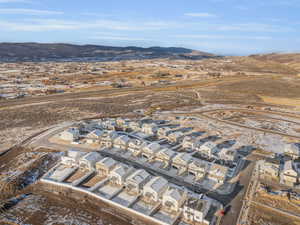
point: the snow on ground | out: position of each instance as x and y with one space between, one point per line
39 210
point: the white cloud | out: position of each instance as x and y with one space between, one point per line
34 12
15 1
55 24
118 38
254 27
200 14
200 36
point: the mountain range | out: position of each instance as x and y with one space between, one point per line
14 52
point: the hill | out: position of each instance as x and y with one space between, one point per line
292 60
66 52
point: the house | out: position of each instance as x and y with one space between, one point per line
154 189
96 124
135 146
135 125
94 136
164 131
269 168
108 138
70 134
105 166
228 155
208 149
149 128
149 151
118 175
289 174
89 160
109 124
218 173
122 123
175 136
86 127
165 155
198 168
195 209
189 142
181 162
121 142
173 199
135 181
292 150
71 158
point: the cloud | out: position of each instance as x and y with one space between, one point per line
254 27
15 1
33 12
55 24
200 14
118 38
222 37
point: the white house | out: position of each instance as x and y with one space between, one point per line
72 157
149 151
198 168
269 168
154 189
164 131
136 181
118 175
135 125
218 173
289 174
105 166
181 162
165 155
175 136
135 146
189 142
89 160
208 149
173 199
121 142
292 150
122 122
70 134
149 128
195 209
228 155
109 124
94 136
108 138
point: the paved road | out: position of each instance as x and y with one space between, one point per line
236 204
251 189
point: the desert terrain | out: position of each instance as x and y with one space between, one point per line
253 100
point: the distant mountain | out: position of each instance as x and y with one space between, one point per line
11 52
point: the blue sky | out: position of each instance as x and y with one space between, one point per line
235 27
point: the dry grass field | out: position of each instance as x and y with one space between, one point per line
152 85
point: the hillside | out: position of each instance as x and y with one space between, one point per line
60 51
292 60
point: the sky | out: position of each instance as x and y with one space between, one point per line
227 27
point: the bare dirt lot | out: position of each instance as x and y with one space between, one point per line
260 215
40 209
